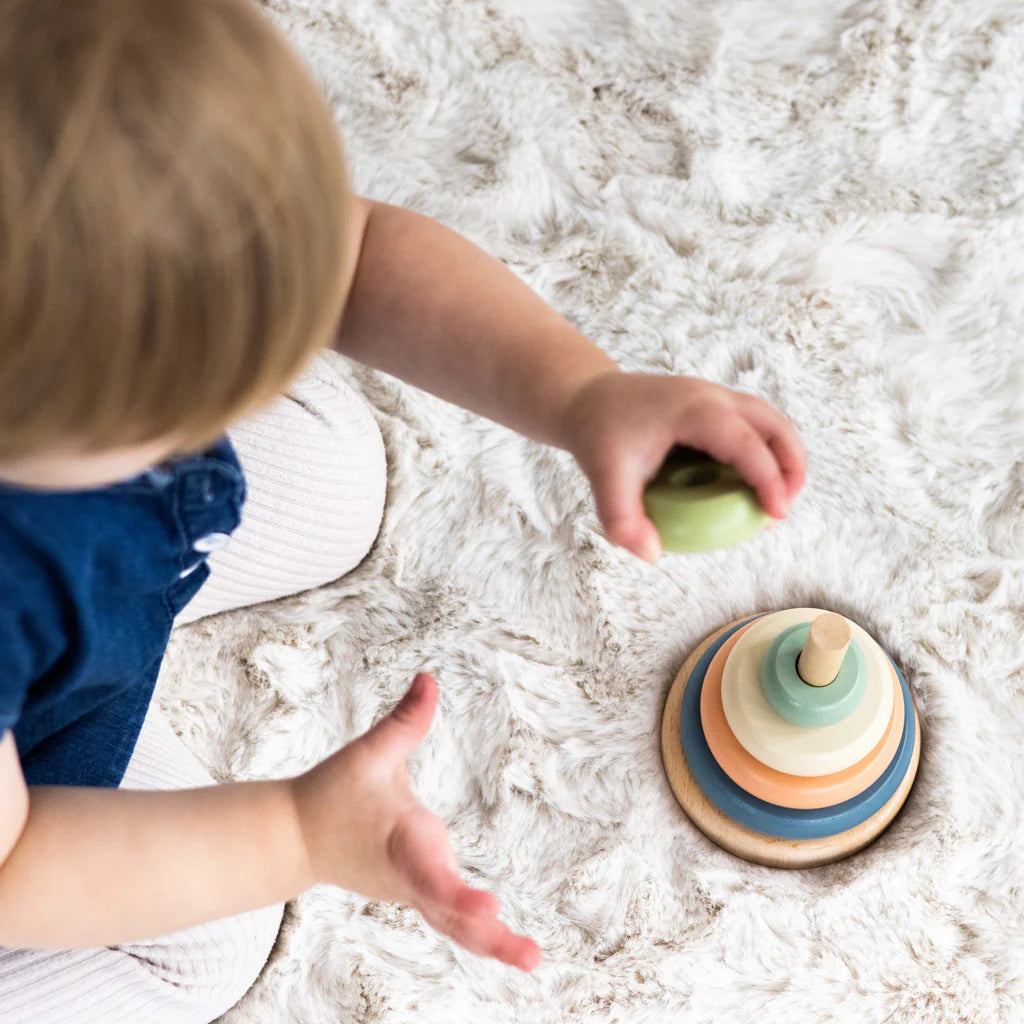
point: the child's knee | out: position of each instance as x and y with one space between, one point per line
330 479
353 487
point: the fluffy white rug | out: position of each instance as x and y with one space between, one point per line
819 202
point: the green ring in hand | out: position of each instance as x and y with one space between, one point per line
697 504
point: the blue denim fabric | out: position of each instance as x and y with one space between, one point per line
90 582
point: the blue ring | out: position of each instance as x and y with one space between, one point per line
769 819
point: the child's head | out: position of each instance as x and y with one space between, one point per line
173 209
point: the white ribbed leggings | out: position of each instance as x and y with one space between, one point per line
315 470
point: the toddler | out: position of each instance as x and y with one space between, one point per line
178 243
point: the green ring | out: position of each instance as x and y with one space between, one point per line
799 702
697 504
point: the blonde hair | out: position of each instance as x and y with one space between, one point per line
173 205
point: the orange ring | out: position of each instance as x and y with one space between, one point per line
775 787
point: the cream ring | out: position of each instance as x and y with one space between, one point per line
796 749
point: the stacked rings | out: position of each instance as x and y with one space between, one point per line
791 761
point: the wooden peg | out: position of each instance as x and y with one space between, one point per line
826 646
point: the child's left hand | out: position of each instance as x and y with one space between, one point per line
620 426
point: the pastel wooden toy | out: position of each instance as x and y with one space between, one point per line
791 739
697 504
797 749
774 786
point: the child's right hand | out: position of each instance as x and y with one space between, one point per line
365 830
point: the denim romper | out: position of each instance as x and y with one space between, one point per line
90 582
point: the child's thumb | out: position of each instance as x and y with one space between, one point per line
618 494
400 732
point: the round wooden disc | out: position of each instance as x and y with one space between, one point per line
744 842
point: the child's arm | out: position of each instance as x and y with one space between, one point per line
430 307
91 867
13 797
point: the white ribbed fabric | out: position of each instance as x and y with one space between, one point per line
188 977
316 477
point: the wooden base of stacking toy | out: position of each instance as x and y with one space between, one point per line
791 739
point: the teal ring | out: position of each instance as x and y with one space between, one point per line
799 702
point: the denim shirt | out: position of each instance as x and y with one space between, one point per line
90 582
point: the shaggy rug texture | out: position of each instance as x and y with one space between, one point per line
817 202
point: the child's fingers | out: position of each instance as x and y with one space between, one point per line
470 916
792 461
732 440
618 489
487 936
781 436
399 733
483 934
421 851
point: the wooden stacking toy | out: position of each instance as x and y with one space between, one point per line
790 738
